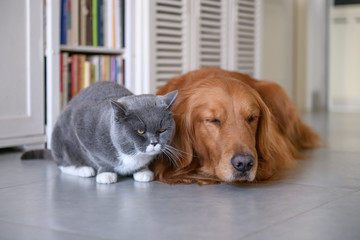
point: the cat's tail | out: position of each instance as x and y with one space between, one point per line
36 154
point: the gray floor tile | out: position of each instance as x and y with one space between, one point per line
73 204
336 220
15 172
11 231
340 131
318 200
328 168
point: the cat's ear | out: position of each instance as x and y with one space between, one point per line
170 98
118 108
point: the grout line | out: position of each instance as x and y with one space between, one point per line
25 184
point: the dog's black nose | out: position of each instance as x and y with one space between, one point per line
242 163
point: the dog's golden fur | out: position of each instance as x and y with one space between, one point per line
219 114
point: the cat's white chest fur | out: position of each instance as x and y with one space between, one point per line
130 163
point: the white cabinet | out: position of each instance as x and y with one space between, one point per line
345 58
21 79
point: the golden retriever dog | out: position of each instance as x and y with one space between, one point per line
229 128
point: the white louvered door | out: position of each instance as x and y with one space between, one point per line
167 58
246 36
208 34
190 34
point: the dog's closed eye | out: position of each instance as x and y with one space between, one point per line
251 119
214 121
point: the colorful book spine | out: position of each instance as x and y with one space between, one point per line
95 22
100 7
113 24
83 15
63 26
74 32
65 79
74 75
112 68
61 81
117 24
87 66
68 21
89 29
122 23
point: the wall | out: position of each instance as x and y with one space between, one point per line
295 49
277 43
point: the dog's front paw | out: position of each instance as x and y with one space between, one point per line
106 177
144 175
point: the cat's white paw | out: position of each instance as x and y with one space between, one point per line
106 177
83 171
86 172
144 175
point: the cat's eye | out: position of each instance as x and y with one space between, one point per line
162 130
141 132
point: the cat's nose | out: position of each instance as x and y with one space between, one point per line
154 143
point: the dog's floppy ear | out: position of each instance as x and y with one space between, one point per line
274 150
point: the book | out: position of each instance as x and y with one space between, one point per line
100 22
95 61
74 75
122 19
108 23
119 70
123 71
83 16
117 24
94 23
61 81
74 30
87 66
89 29
112 69
63 27
113 24
81 81
68 21
105 68
68 80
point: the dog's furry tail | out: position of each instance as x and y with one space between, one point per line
36 154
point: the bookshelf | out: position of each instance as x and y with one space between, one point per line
79 38
91 50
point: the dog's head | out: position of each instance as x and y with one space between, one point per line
224 131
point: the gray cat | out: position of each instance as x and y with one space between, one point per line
105 130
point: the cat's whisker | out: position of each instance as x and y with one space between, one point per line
173 156
176 155
170 157
174 152
179 151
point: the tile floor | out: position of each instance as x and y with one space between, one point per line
318 200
